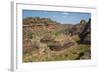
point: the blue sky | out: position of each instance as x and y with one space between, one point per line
61 17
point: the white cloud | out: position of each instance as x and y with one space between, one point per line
66 13
54 16
46 12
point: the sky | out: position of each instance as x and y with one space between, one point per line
61 17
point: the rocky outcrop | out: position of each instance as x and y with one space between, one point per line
76 29
85 35
83 30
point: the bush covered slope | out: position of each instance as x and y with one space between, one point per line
48 40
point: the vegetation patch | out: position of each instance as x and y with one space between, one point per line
48 40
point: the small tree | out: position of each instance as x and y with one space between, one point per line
82 22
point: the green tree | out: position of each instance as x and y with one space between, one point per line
82 22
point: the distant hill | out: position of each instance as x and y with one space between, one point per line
81 29
38 20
